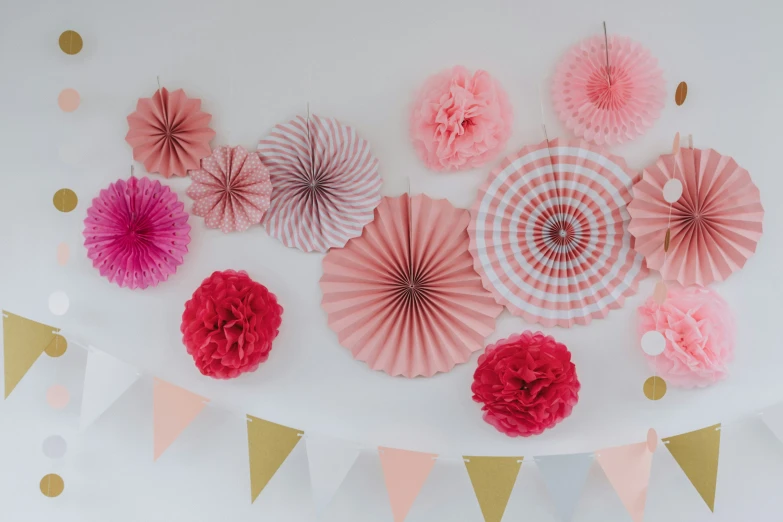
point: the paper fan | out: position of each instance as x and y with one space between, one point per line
608 105
404 296
548 233
715 224
136 232
325 183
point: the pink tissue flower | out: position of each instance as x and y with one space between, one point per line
460 121
699 330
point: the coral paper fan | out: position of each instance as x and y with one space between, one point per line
229 324
136 232
715 224
548 233
231 189
404 297
526 384
169 133
608 105
325 183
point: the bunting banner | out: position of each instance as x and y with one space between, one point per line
105 380
565 476
268 446
493 479
23 342
329 460
773 418
405 472
697 454
173 410
628 470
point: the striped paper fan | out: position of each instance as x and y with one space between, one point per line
325 183
549 233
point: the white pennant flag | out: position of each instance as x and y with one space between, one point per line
773 418
565 476
105 379
330 460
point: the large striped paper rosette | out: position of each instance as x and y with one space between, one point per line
549 233
325 183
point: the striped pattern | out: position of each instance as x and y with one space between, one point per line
325 183
549 233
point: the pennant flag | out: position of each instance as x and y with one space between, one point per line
628 470
23 342
330 460
105 379
493 478
697 454
405 473
565 476
773 418
268 445
174 408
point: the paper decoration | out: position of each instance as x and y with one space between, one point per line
681 93
23 342
565 476
268 444
653 343
405 473
65 200
773 418
58 396
71 42
57 348
672 190
652 440
697 454
174 408
660 292
493 479
59 302
63 253
548 233
715 224
628 470
404 297
105 380
54 447
52 485
68 100
654 388
325 183
330 460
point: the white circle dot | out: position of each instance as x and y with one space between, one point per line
59 302
672 190
54 447
653 343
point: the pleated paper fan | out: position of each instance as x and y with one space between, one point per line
549 233
404 297
715 224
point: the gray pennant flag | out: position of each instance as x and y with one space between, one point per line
565 476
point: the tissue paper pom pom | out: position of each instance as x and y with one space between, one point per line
699 330
229 324
460 121
527 384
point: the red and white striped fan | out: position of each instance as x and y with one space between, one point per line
325 183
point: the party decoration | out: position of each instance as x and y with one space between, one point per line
325 183
681 93
58 396
54 447
652 440
65 200
105 380
565 476
548 233
59 302
269 444
698 333
52 485
460 120
231 189
660 292
404 297
169 133
493 479
672 190
57 348
773 418
654 388
608 97
63 253
173 411
229 324
697 454
330 460
653 343
23 342
628 470
136 232
715 224
71 42
405 473
526 384
68 100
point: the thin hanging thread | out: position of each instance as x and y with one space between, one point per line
606 47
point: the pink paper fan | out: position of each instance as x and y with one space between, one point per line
608 106
549 233
136 232
169 133
715 224
404 297
231 189
325 183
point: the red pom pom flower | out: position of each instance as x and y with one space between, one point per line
526 383
229 324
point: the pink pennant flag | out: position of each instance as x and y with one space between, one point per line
174 409
628 470
405 473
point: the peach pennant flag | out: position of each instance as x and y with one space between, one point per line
405 473
174 408
628 470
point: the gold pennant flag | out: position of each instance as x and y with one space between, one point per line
268 444
697 454
493 478
23 342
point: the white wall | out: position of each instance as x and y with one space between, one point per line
258 63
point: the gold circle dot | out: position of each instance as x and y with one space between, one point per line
52 485
65 200
654 388
71 42
57 347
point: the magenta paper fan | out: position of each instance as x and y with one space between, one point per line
715 224
608 105
325 183
136 232
231 189
404 297
549 233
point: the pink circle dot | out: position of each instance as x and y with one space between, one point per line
68 100
58 396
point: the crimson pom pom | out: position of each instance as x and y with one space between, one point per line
229 324
527 383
